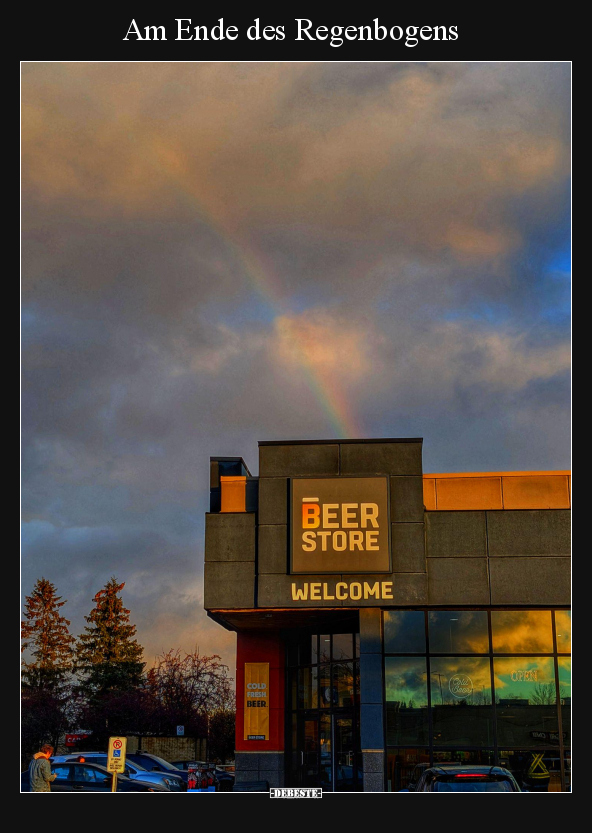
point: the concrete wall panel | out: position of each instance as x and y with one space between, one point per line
458 581
451 534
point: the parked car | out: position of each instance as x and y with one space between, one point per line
77 776
154 763
223 778
467 778
134 771
418 771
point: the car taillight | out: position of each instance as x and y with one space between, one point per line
468 775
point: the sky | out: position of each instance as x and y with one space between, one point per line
215 254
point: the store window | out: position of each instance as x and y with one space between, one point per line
563 628
461 701
404 632
484 686
458 632
406 701
521 632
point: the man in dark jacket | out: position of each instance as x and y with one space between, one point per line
40 775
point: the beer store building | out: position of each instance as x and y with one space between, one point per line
387 618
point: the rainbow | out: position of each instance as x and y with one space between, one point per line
325 389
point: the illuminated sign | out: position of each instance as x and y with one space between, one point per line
256 701
317 591
524 676
340 525
460 685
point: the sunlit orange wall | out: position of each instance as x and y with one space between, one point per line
498 490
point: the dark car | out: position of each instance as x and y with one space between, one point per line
467 779
170 781
86 777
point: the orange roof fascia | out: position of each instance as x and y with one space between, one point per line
498 474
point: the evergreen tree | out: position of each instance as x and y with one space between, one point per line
45 633
47 705
108 657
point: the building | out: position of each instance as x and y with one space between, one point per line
386 617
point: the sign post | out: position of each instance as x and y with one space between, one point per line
116 758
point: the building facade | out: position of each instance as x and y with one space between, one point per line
387 618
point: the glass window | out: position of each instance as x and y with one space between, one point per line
307 688
521 631
343 684
461 701
564 668
563 631
404 766
536 770
325 647
314 649
61 771
458 632
406 701
324 686
342 646
404 632
526 701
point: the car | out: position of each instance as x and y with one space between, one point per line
82 776
223 778
170 781
154 763
417 772
467 778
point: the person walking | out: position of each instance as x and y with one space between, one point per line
40 774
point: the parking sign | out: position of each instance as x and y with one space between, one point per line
116 754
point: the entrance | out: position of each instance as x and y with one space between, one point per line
327 753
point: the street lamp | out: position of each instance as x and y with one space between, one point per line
437 674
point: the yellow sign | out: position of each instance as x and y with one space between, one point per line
537 768
256 701
116 754
340 525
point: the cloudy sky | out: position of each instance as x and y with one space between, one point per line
220 253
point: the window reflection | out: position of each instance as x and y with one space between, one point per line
342 646
461 701
458 632
324 647
404 631
526 701
563 630
343 684
564 668
307 688
406 700
324 686
521 631
536 770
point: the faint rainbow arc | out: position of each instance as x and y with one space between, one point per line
329 395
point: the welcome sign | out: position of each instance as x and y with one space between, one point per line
340 525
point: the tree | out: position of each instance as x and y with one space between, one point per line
189 690
221 735
45 634
47 705
543 694
108 657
